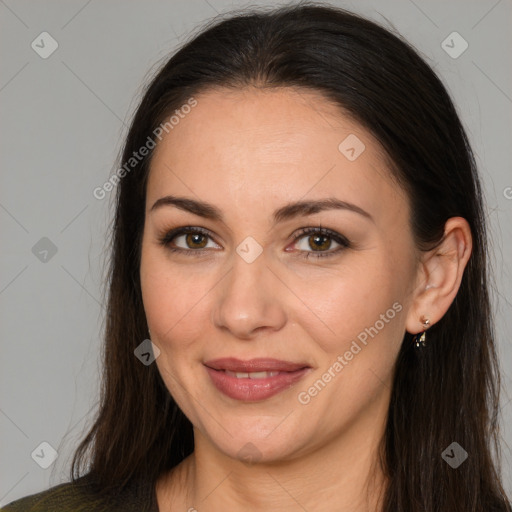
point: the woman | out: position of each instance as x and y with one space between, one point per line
300 232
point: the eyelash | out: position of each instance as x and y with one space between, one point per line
344 242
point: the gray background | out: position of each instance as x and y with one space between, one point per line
62 123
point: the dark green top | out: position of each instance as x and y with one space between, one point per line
79 497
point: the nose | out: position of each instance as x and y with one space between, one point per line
250 299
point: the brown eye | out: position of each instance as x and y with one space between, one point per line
318 241
195 240
191 240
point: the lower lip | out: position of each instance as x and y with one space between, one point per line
252 390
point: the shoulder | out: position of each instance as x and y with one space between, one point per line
78 496
63 497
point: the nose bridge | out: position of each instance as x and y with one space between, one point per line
247 299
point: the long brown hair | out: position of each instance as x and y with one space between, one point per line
448 392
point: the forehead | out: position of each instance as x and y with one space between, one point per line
251 147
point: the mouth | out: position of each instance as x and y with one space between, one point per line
256 379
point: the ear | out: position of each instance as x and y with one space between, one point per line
439 275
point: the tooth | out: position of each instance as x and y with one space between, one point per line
259 375
251 375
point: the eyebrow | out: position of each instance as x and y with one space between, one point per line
286 212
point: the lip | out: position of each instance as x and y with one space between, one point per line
253 390
260 364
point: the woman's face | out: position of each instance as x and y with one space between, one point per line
257 282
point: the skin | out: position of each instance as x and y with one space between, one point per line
249 152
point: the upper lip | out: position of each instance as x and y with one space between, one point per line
254 365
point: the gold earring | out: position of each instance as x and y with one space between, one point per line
421 341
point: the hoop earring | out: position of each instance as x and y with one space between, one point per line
420 339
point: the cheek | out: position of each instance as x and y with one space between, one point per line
357 330
172 298
343 302
176 316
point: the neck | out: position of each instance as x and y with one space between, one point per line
341 474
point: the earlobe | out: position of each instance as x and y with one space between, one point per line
440 274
